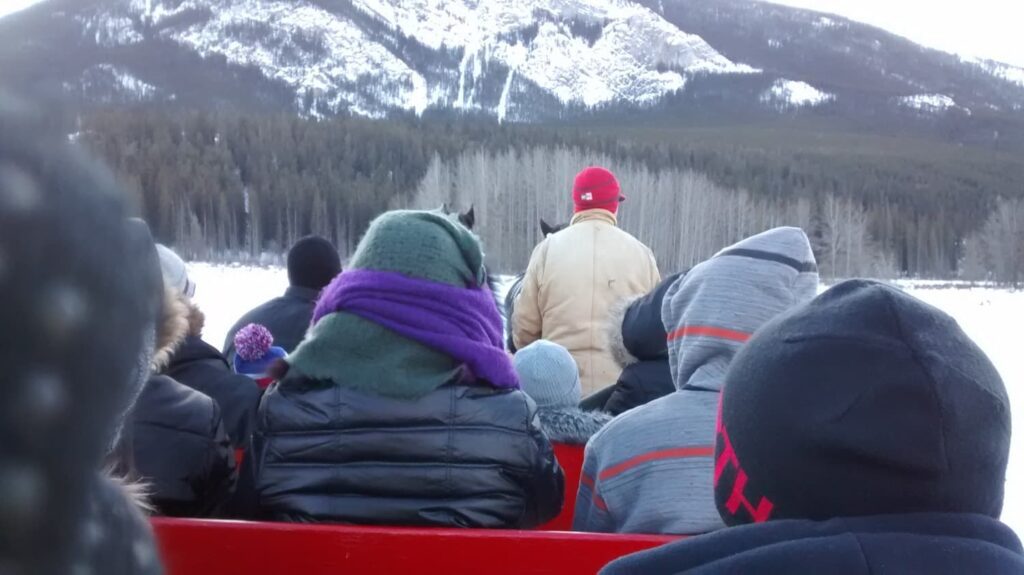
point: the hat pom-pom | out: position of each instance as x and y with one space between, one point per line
253 341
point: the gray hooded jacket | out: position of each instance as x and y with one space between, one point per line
651 469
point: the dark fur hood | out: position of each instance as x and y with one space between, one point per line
571 424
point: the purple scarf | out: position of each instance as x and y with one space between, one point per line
462 323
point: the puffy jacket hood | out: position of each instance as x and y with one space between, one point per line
719 304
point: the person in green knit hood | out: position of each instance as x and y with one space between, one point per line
401 406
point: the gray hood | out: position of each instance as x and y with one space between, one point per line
719 304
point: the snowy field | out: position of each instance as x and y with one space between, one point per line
988 315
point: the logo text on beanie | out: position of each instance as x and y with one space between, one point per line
737 500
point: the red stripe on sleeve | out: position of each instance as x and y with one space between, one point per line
709 331
677 453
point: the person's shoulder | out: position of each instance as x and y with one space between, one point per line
639 418
270 306
165 392
542 247
167 403
628 238
510 408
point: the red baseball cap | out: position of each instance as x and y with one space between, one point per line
596 187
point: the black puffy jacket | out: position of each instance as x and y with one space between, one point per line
181 449
462 456
639 345
200 366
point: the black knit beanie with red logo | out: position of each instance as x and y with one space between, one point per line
865 401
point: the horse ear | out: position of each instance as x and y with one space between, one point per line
546 229
468 218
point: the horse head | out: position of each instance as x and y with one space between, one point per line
466 218
547 229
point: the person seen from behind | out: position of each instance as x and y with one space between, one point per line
549 376
180 447
650 470
312 264
201 366
862 433
575 275
401 406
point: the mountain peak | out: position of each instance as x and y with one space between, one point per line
513 59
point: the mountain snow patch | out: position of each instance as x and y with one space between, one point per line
1007 72
928 102
367 56
793 94
110 31
826 22
310 49
638 55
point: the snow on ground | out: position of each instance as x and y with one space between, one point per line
224 293
987 315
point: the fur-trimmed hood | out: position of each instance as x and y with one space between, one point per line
571 424
634 328
613 331
172 328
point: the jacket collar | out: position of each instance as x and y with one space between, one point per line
303 293
594 215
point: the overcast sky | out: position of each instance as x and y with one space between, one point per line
983 28
8 6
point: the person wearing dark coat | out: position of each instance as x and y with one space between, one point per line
862 433
76 307
179 444
637 339
312 264
200 366
548 374
401 407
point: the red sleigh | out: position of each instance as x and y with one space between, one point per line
199 547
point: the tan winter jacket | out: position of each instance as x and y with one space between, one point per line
573 278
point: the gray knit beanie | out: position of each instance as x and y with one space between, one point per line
175 272
548 374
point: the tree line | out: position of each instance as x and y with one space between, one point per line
234 186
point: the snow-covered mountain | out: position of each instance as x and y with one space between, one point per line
513 59
374 56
